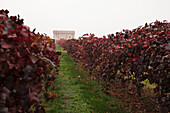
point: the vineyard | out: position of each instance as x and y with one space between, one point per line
126 61
128 58
27 62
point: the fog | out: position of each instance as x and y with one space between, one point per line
101 17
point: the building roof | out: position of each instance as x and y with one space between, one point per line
63 31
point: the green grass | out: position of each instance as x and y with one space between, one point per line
80 96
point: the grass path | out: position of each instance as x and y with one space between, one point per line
76 95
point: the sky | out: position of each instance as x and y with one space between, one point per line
101 17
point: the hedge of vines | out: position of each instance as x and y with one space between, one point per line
130 55
27 61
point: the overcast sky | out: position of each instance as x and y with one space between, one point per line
101 17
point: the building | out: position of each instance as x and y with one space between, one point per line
63 34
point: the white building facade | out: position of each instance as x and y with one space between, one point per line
63 34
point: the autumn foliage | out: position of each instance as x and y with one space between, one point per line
26 62
129 56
